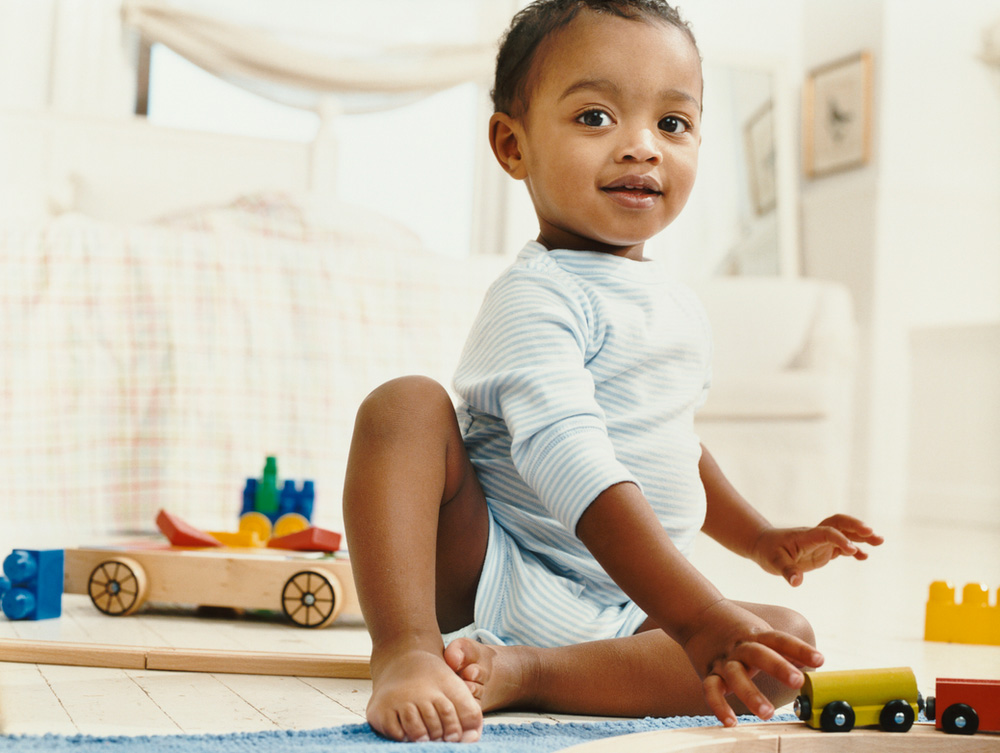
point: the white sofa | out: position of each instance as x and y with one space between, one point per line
779 414
156 366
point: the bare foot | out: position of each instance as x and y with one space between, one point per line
499 677
417 697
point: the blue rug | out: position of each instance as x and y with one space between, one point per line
536 737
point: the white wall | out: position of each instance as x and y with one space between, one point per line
941 183
915 234
939 239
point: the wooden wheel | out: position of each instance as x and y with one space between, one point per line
312 598
118 586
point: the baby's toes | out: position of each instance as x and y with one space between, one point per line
470 718
386 724
414 727
451 725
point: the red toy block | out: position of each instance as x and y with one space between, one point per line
179 533
310 540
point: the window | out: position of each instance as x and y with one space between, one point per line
415 164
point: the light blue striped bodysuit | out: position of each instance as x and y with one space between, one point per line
581 371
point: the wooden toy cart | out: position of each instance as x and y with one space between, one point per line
311 590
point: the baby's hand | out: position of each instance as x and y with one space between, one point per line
731 645
791 552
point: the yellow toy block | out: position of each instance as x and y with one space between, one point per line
240 539
973 621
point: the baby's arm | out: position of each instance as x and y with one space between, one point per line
726 644
789 552
729 518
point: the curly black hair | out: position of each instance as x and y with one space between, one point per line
537 21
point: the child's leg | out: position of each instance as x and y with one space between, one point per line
417 527
646 674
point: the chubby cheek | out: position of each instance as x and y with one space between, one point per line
683 180
555 191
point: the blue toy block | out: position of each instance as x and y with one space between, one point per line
297 501
33 584
249 496
306 499
288 501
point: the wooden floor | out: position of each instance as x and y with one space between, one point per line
865 615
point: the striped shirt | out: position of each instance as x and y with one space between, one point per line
583 370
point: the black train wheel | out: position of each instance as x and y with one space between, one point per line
837 716
960 719
896 716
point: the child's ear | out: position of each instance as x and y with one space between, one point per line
504 131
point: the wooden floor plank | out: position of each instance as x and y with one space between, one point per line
104 701
290 702
29 705
352 695
199 703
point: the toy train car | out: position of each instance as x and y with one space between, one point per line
839 701
966 706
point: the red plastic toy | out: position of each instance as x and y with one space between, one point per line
963 707
181 533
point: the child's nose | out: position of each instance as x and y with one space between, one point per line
640 145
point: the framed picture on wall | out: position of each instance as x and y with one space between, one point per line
837 109
759 139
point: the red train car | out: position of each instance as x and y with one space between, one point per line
963 707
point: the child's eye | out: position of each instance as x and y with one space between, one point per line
673 124
595 118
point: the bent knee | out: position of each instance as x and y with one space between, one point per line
403 400
789 621
795 624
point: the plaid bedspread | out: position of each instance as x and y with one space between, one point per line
156 366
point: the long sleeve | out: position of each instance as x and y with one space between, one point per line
526 364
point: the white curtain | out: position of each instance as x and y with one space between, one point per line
991 45
304 67
66 56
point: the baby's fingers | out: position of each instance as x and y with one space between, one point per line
737 677
772 661
733 676
794 652
854 529
715 696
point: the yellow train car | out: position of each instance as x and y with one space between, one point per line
840 701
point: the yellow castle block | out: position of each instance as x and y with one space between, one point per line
974 620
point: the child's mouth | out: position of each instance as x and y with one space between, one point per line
637 191
633 195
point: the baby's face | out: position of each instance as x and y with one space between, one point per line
610 140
